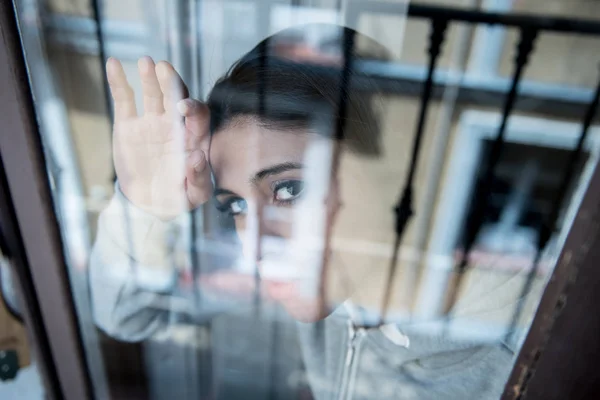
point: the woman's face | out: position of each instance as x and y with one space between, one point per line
265 178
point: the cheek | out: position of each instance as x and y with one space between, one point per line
248 248
272 233
278 221
302 308
240 224
333 202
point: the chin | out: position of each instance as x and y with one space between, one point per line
306 311
300 307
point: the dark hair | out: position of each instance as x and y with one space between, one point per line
279 91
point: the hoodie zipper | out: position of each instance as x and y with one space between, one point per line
349 372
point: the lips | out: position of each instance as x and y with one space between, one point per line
281 291
244 284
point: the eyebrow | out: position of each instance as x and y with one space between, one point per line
274 170
262 174
220 191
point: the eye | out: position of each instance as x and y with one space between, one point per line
233 206
287 191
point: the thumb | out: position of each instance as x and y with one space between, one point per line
198 181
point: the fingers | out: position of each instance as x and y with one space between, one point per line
172 86
153 95
198 181
196 116
122 94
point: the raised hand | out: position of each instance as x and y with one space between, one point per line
160 156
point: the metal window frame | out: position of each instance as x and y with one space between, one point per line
14 253
558 358
35 224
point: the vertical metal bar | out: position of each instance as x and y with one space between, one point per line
187 13
435 165
273 356
263 15
262 108
274 333
262 84
97 16
484 184
194 250
205 364
348 50
549 224
341 115
404 209
194 19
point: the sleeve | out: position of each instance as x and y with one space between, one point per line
133 271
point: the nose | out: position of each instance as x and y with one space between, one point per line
264 230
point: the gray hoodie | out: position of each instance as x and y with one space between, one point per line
136 297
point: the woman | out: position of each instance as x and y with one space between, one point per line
267 146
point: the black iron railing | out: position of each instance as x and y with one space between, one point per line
529 27
404 209
484 185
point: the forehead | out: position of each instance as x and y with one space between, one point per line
244 147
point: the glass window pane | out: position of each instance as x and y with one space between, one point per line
231 224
